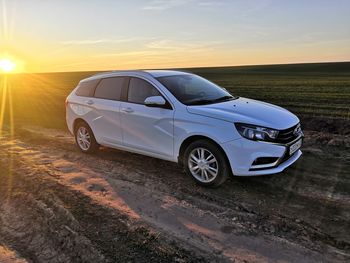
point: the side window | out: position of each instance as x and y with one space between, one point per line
139 90
86 88
110 88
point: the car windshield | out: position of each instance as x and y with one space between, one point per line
194 90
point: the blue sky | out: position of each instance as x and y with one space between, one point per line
96 35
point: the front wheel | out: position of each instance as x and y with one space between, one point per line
206 163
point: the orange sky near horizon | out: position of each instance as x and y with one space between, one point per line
51 36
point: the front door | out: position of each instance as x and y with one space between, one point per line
148 129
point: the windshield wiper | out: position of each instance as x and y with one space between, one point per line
207 101
200 102
224 98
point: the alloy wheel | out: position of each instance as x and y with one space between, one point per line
203 165
83 138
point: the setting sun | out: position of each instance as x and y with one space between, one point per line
7 65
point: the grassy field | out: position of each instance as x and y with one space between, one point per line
305 89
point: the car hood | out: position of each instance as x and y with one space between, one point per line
248 111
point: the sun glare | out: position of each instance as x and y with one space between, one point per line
7 65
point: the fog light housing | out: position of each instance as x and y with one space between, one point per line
265 160
264 163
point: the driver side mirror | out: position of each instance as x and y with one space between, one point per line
155 101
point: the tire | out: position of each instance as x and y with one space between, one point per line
212 170
85 139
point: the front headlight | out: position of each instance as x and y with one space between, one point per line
257 133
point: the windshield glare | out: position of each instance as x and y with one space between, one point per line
194 90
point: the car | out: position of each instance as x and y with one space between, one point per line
184 118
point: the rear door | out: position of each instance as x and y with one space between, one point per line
106 103
148 129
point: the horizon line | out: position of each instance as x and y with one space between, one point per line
174 68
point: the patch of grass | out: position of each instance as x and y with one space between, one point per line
306 89
321 89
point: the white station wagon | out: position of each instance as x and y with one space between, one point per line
184 118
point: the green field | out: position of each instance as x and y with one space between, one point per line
305 89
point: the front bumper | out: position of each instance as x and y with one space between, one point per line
242 153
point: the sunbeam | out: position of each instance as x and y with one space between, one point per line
3 103
4 20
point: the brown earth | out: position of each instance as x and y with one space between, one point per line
59 205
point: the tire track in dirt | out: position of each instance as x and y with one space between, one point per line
222 221
45 221
164 212
299 188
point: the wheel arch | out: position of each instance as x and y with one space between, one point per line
193 138
77 121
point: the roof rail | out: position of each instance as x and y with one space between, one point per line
120 71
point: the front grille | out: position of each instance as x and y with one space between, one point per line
288 135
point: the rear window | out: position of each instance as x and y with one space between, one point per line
86 88
110 88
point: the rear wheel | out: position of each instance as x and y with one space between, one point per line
85 139
206 163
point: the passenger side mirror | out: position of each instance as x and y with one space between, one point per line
155 101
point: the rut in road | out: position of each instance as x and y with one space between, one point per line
226 221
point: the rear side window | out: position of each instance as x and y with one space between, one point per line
110 88
139 90
87 88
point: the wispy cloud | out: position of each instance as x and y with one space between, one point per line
211 3
167 44
252 5
165 4
162 48
100 41
140 53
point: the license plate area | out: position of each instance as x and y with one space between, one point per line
294 147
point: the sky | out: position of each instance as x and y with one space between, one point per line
79 35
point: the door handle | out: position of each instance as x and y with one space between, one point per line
127 110
89 102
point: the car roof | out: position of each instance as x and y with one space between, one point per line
165 73
142 73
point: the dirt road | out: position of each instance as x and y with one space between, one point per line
60 205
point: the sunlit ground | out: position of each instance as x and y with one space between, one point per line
30 99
